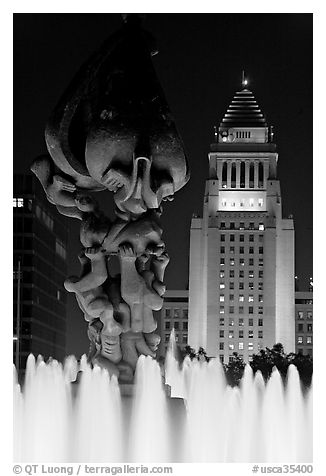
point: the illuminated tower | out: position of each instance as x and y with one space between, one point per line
241 295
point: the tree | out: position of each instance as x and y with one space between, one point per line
234 370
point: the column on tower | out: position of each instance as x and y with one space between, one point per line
229 165
266 173
256 174
219 171
238 174
247 174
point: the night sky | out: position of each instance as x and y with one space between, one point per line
199 65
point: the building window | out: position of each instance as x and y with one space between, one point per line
309 327
231 237
177 312
260 310
185 313
260 322
241 261
300 327
176 325
260 334
222 261
300 314
222 249
251 225
251 310
241 334
241 273
250 346
231 285
222 356
232 261
167 337
241 297
241 309
241 286
260 202
222 334
231 322
167 312
221 309
222 237
241 250
251 286
309 314
232 225
250 298
241 323
261 227
18 202
222 346
251 250
223 203
250 334
231 249
251 237
261 250
221 297
185 326
261 274
231 273
260 298
250 322
260 286
261 262
231 309
184 338
251 202
231 346
251 273
231 297
241 226
241 238
309 339
300 340
222 274
260 238
222 285
222 225
167 325
251 261
60 249
240 345
221 321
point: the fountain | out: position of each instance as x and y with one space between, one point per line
112 130
64 422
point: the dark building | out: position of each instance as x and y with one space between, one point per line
40 239
303 322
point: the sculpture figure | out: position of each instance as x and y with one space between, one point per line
112 130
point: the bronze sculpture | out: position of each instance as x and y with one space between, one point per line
112 130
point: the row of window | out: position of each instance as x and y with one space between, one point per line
241 273
230 334
242 285
242 203
242 298
301 314
241 173
242 262
176 313
301 327
44 216
232 346
232 237
232 310
300 340
178 338
232 322
242 226
176 325
251 250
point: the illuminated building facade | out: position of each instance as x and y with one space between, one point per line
241 295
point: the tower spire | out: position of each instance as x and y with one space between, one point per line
244 79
